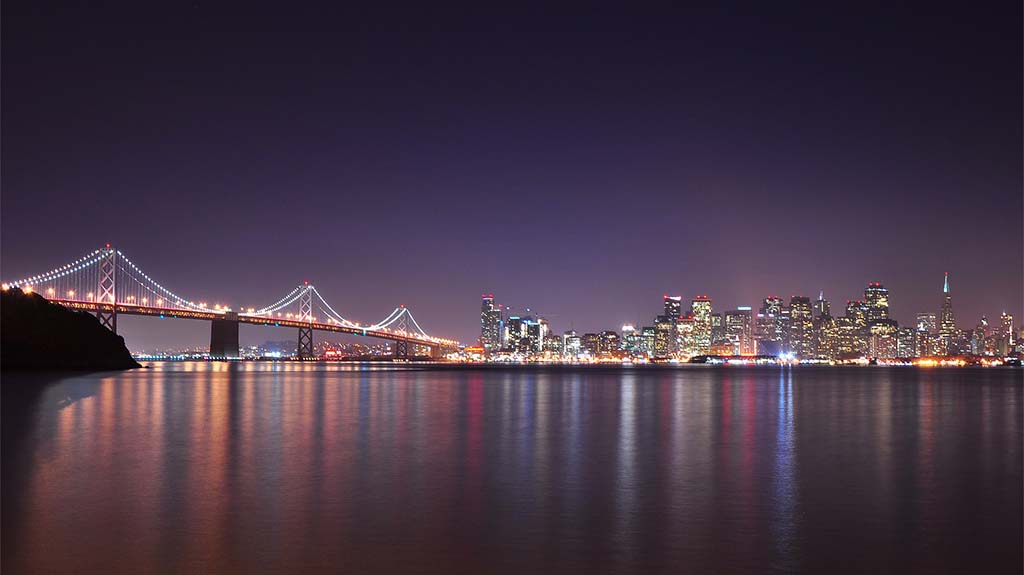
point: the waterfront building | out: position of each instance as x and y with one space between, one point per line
700 310
591 344
572 344
490 324
718 329
827 334
515 331
923 345
664 336
769 327
647 340
739 330
883 342
533 339
553 345
801 327
610 343
906 342
630 340
686 345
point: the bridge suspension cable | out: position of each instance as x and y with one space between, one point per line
107 282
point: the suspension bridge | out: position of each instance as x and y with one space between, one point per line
105 282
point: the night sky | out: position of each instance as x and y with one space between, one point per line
581 163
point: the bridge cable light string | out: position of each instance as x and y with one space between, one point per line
63 271
391 317
178 299
281 303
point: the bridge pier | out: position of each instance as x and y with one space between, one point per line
224 336
305 350
401 349
107 317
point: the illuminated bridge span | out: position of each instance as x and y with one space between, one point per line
107 283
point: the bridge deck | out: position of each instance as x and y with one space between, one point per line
128 309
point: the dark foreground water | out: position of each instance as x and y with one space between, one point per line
264 468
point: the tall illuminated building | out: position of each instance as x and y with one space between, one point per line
927 323
1006 327
610 343
592 344
630 340
490 324
664 336
801 327
572 343
876 298
821 306
673 309
673 306
906 344
770 328
685 343
717 330
853 330
515 333
1004 341
647 339
739 330
700 308
883 342
947 321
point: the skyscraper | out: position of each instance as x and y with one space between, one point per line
515 331
770 327
490 324
822 307
739 330
572 344
907 342
701 310
927 323
673 306
664 336
947 322
801 327
876 297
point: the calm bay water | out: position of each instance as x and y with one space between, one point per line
299 468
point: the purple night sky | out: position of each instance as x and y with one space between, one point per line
581 163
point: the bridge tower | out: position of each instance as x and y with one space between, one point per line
305 349
224 336
401 346
106 310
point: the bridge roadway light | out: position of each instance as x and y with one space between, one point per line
49 291
90 296
71 293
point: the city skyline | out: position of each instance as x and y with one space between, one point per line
181 335
800 329
586 168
